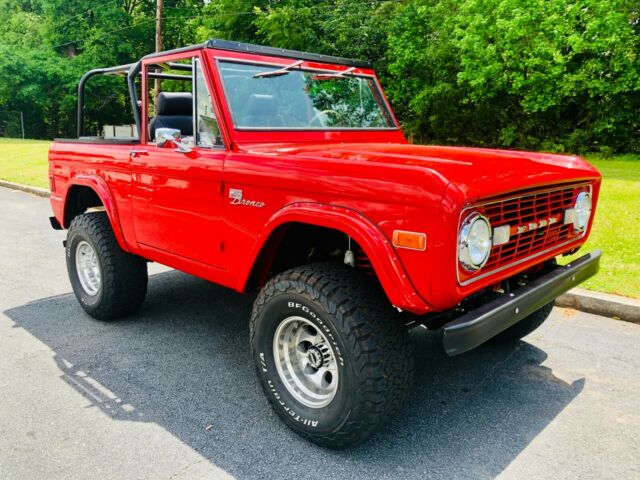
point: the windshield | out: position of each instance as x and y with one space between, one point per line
276 98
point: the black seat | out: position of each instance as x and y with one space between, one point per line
262 111
174 110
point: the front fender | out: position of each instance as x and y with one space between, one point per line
98 185
384 259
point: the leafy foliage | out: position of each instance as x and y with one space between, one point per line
551 74
560 75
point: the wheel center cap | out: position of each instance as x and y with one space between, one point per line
315 357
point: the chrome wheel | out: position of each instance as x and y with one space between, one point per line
305 362
88 268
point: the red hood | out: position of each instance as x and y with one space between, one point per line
477 172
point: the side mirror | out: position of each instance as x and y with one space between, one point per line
170 137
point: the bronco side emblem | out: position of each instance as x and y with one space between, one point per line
235 194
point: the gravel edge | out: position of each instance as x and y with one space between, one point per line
41 192
605 304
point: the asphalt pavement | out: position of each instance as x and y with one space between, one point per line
171 393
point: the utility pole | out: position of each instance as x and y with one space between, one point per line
22 123
159 14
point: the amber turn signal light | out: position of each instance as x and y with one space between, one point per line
410 240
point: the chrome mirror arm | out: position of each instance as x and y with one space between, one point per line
182 147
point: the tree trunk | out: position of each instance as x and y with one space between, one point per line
159 14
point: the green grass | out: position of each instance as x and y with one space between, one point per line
24 161
616 230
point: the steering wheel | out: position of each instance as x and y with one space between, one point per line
323 112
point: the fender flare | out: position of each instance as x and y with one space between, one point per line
383 256
98 185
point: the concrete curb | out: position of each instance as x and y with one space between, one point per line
604 304
41 192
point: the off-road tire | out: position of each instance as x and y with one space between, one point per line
524 327
123 284
374 351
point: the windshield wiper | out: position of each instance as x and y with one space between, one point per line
342 74
278 72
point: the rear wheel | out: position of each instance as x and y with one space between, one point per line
524 327
332 358
108 282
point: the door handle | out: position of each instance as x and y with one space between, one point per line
138 153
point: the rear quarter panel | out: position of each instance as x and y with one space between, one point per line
78 164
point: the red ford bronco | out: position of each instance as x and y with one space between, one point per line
286 173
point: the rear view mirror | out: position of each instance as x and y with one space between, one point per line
171 137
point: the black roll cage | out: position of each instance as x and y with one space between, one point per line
131 70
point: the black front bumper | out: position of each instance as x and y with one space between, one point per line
479 325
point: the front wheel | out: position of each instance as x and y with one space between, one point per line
108 282
332 358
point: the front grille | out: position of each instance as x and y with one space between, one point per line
536 221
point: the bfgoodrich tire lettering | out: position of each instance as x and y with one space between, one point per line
123 277
371 350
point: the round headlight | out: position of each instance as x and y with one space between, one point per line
474 241
583 211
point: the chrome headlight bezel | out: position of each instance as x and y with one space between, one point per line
474 223
583 207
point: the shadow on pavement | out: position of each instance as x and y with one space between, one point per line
184 363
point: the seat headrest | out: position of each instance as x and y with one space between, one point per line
175 103
262 105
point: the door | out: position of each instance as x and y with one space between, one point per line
177 197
